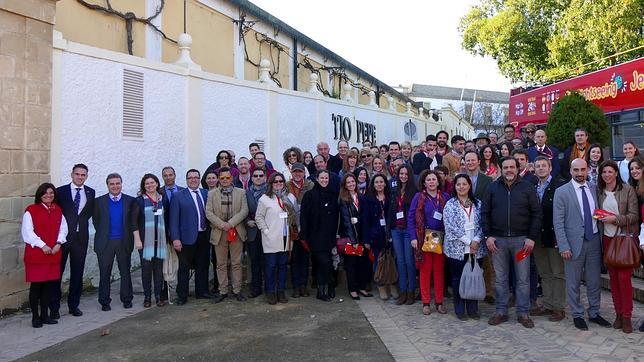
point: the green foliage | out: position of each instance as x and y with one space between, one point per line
542 40
573 111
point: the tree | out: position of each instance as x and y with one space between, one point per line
573 111
546 40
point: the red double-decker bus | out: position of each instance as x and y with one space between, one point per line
617 90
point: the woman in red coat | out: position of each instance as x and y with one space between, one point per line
44 229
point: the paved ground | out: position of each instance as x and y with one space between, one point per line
411 336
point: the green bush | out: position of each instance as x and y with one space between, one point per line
573 111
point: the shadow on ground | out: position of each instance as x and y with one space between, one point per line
302 329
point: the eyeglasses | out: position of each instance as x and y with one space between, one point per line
516 143
225 177
258 176
530 132
292 155
365 156
193 178
223 157
259 159
278 181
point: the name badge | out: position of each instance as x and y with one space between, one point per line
400 215
159 212
438 215
382 222
283 215
354 220
469 226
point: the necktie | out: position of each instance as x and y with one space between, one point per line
77 199
588 218
170 191
202 211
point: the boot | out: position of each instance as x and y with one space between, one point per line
402 299
322 293
35 319
281 297
383 293
619 322
296 293
393 289
331 291
44 317
271 298
628 326
304 292
411 298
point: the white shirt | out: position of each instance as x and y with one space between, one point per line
116 198
623 170
610 204
83 197
30 237
194 199
591 201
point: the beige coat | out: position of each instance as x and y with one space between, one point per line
215 214
627 205
272 226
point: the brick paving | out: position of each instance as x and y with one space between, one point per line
411 336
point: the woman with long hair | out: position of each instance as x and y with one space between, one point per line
366 159
463 235
291 156
376 227
636 167
401 197
630 150
349 163
44 230
505 149
276 217
620 199
151 238
426 218
489 163
354 215
594 157
379 166
406 151
362 175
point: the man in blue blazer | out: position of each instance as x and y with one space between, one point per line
190 235
77 202
169 185
542 149
114 237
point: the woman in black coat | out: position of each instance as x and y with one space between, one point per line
318 226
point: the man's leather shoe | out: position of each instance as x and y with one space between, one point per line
557 315
497 319
106 307
48 320
181 302
580 324
526 321
475 315
240 297
76 312
601 321
220 298
540 312
206 296
36 322
54 314
127 305
147 303
255 294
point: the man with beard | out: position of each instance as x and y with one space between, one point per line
452 160
441 141
243 180
428 159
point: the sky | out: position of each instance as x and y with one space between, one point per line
398 42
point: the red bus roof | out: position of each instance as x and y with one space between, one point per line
614 89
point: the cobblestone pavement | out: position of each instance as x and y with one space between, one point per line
411 336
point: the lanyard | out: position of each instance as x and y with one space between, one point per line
546 152
468 211
154 203
400 201
437 204
279 202
356 201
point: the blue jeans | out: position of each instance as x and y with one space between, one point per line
275 270
299 265
456 270
405 262
508 248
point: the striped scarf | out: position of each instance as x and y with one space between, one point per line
154 224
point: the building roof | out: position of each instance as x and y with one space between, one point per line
452 93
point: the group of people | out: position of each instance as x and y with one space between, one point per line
515 207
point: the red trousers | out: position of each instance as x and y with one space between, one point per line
432 264
621 288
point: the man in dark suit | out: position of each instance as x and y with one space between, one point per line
549 262
114 237
77 202
480 181
542 149
428 159
190 234
334 163
521 155
169 185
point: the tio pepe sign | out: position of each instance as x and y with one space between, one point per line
343 131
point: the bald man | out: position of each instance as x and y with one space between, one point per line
541 148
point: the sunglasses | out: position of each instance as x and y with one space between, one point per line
258 176
225 177
223 157
278 181
531 132
292 155
365 156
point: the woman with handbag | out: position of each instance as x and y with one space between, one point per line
425 224
276 216
401 198
318 226
356 259
376 228
463 235
620 201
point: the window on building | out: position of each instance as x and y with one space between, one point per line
132 127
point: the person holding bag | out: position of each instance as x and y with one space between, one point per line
276 217
376 228
463 235
356 259
620 201
318 226
425 223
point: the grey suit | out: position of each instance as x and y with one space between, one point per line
568 223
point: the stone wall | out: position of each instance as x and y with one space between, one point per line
25 127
